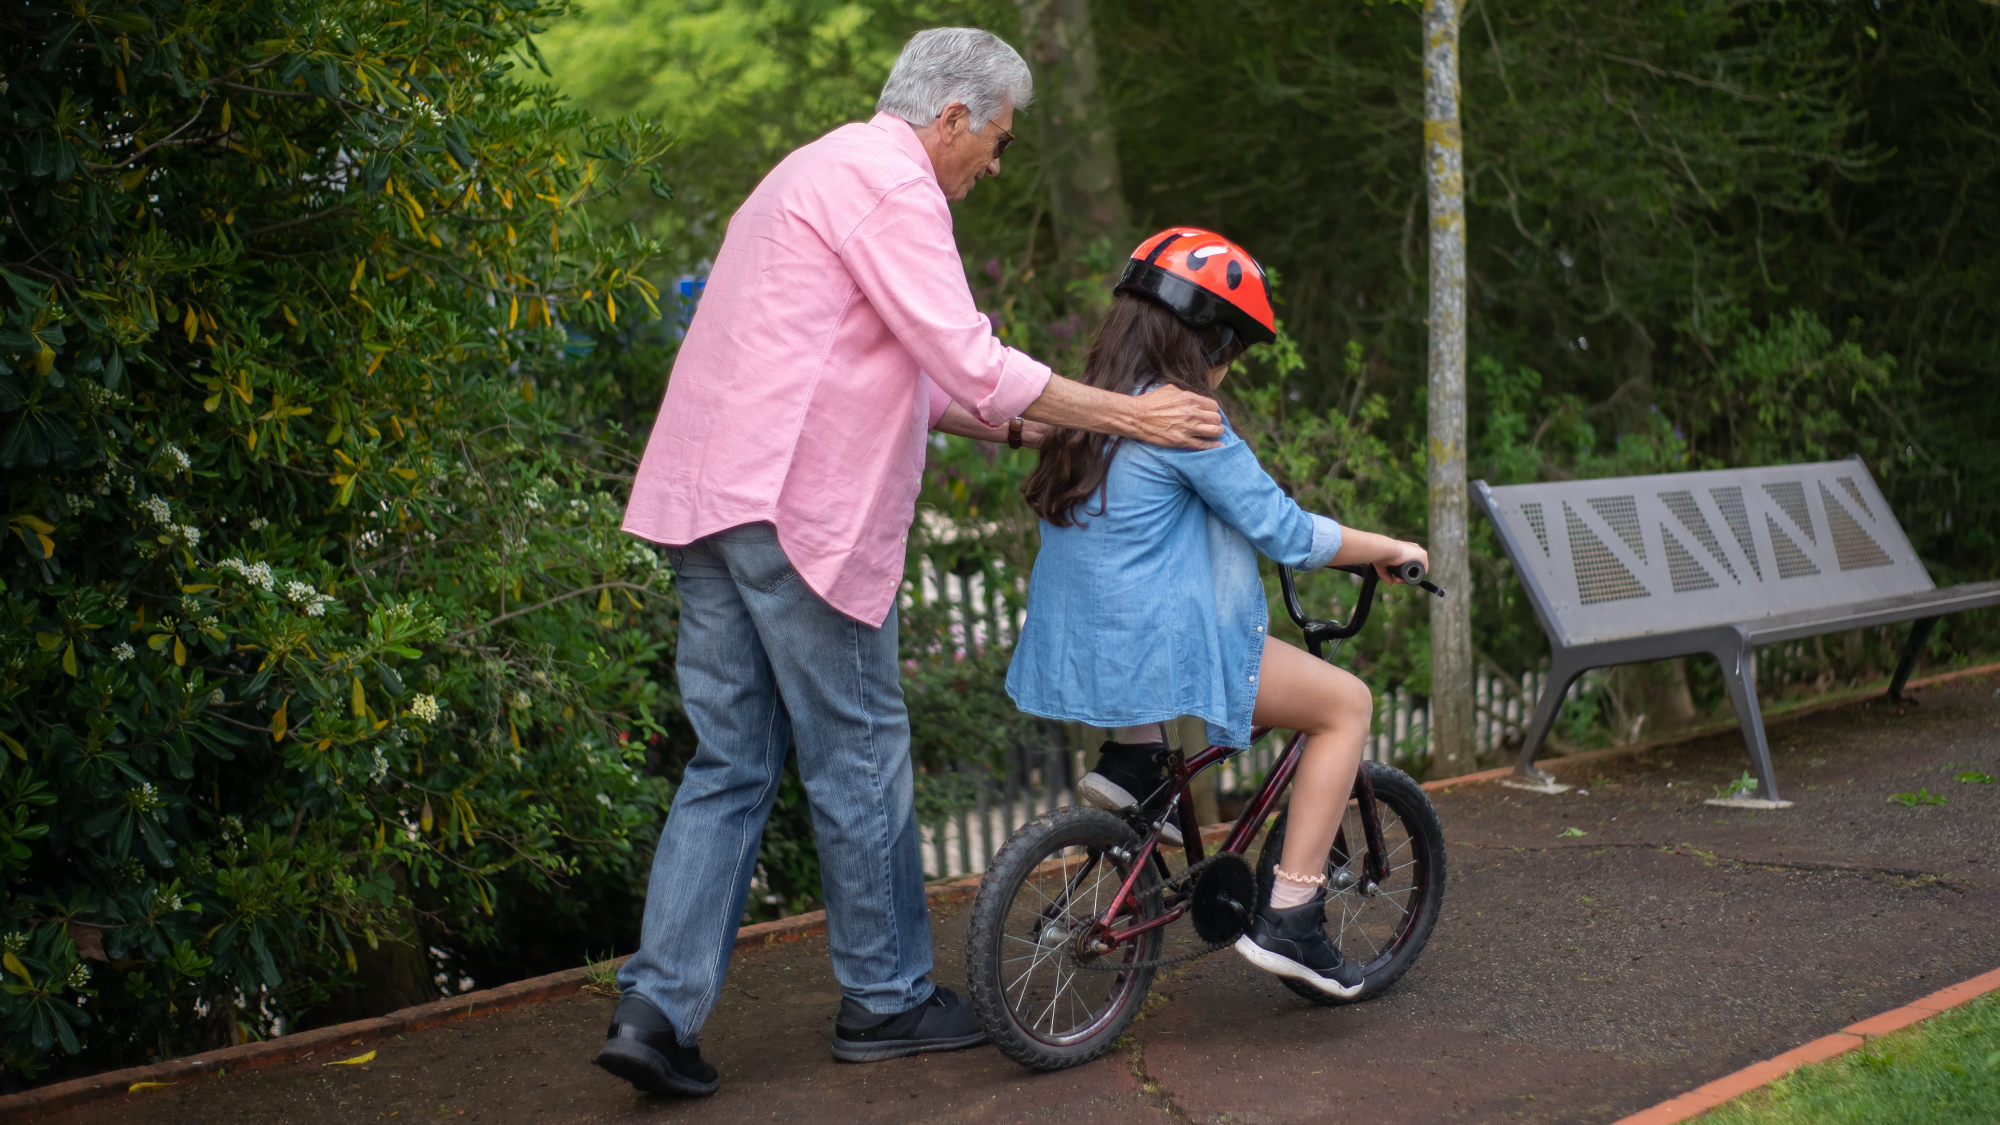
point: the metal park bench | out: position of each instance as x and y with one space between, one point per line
1629 569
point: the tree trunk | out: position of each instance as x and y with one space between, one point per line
1079 147
1451 617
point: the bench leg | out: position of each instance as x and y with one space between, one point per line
1561 675
1920 633
1737 672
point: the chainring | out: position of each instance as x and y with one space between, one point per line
1222 903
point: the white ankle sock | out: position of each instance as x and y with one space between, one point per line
1287 893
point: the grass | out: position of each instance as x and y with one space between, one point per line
1944 1071
603 976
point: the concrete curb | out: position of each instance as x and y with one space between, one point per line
67 1095
1701 1099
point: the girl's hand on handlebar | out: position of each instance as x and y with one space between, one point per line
1399 553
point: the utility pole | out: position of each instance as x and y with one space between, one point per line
1451 617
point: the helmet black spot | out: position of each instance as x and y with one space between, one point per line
1235 273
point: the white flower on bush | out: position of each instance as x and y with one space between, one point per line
381 769
604 800
123 652
179 460
161 511
77 503
259 524
308 598
257 574
425 708
79 976
191 533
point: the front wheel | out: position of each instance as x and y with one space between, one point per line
1047 1004
1380 928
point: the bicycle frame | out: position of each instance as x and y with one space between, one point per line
1184 770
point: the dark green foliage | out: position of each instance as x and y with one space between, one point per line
1701 234
317 633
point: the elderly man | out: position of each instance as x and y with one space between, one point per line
836 330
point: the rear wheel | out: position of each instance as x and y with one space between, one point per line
1380 928
1047 1004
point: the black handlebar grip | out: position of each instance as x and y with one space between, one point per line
1411 572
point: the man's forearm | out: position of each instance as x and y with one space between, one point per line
1167 416
958 420
1066 402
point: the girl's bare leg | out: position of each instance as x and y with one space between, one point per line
1298 692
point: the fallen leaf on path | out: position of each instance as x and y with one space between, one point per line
138 1086
355 1061
1572 832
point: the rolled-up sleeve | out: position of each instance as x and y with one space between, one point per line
1326 542
903 259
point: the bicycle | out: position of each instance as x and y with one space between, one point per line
1068 921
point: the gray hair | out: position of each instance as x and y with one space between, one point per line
955 64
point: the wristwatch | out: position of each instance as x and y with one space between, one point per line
1014 434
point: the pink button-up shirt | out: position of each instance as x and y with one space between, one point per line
835 328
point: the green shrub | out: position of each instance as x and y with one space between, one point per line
318 638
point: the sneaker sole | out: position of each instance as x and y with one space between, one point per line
647 1070
1286 967
845 1051
1102 793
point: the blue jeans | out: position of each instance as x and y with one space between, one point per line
765 665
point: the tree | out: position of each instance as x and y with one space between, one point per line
319 644
1078 150
1451 618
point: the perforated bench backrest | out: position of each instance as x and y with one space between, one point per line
1623 556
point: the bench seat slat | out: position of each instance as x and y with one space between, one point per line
1880 611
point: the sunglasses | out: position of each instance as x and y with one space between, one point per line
1006 138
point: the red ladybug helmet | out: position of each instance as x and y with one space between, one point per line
1203 279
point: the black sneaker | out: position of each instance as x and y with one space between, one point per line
942 1023
641 1048
1127 773
1293 943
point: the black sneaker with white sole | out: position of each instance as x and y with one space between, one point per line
942 1023
1293 943
1126 774
641 1048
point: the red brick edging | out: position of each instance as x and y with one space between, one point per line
1703 1098
285 1048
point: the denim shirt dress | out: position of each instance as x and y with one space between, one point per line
1154 609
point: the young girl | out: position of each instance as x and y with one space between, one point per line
1146 605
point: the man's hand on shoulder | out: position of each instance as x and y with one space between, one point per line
1168 416
1174 417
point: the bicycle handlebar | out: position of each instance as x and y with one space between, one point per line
1319 632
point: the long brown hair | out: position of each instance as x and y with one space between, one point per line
1140 344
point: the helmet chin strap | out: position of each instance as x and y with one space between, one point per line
1214 356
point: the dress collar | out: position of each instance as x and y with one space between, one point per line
906 136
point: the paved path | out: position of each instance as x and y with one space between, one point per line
1571 979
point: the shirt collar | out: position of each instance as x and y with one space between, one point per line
906 136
